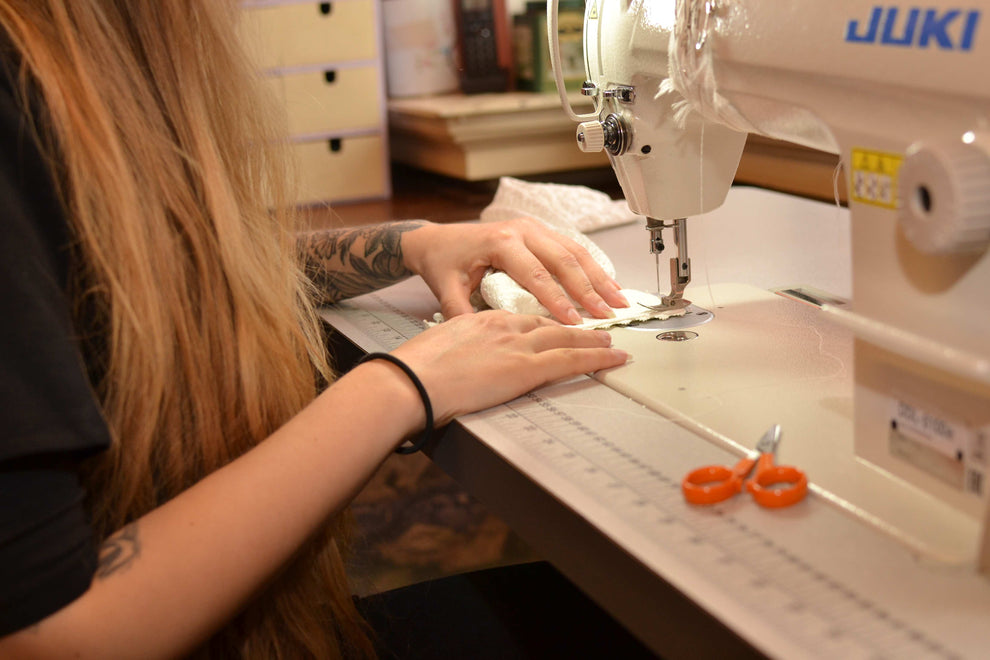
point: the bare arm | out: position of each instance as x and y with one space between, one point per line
168 581
173 578
344 263
452 259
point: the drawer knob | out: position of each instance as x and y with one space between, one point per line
330 76
326 8
335 144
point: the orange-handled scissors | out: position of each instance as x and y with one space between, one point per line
772 486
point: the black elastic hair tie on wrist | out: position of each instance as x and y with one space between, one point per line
388 357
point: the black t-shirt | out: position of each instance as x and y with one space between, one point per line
49 416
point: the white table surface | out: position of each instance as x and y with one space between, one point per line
590 478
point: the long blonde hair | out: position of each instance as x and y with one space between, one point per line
200 333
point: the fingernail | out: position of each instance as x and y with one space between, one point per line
603 308
605 336
625 301
573 317
621 354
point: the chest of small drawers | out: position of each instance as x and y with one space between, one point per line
324 62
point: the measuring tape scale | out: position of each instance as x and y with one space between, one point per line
815 610
381 321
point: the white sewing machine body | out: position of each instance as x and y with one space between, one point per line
899 92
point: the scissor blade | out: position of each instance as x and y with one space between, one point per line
768 443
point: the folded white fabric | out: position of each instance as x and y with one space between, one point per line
577 208
568 210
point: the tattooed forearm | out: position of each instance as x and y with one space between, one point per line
119 551
344 263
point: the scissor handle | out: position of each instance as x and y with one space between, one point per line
714 483
776 486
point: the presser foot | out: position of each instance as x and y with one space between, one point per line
668 304
692 316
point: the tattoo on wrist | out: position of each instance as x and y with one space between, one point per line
349 262
119 551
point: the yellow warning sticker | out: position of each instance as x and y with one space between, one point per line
874 177
593 10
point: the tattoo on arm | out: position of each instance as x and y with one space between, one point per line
345 263
119 551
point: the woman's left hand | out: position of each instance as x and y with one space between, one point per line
452 259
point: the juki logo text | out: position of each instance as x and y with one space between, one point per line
916 27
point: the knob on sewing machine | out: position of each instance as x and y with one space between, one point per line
945 204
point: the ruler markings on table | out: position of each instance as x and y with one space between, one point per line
822 613
384 322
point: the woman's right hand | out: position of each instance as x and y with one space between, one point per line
476 361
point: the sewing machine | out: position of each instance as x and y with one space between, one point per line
899 92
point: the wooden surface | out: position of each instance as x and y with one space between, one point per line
789 168
483 136
423 195
418 194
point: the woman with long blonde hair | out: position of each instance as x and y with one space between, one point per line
164 386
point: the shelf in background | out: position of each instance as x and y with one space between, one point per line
485 136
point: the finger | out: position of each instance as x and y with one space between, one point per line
601 281
500 322
454 295
579 274
531 322
561 336
563 362
526 269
